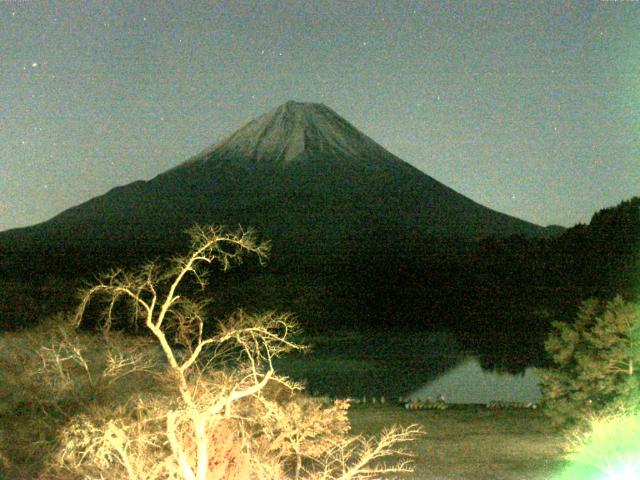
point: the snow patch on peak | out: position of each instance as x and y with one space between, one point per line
295 129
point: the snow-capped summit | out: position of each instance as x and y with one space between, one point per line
291 132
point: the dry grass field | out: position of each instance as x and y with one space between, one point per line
460 443
472 442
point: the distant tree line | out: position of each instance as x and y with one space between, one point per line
498 295
522 285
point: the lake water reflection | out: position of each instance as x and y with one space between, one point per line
467 382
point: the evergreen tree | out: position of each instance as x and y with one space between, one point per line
596 361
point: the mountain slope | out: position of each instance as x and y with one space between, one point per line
301 174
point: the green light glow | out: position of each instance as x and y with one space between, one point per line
625 472
609 451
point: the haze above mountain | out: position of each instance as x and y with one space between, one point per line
301 174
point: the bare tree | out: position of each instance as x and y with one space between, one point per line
211 422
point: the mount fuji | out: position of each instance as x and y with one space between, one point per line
300 174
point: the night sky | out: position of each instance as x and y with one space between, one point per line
529 107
